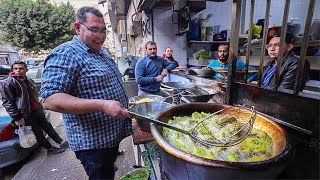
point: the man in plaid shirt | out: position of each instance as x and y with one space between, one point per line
81 81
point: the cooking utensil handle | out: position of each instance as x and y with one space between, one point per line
158 122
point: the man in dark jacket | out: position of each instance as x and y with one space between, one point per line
289 65
20 99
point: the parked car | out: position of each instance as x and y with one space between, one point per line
10 151
4 71
35 73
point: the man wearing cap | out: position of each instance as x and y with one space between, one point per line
289 65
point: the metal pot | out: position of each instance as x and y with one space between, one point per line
148 109
177 164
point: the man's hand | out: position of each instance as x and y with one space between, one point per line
164 72
115 110
159 78
20 122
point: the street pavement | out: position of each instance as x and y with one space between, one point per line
65 165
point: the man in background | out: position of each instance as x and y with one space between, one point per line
289 65
20 99
151 70
168 54
222 62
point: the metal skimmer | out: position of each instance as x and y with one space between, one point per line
236 137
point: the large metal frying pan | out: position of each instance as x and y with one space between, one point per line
178 85
204 72
199 95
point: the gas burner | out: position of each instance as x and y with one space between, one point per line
176 95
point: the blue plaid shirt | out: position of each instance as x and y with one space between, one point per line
74 69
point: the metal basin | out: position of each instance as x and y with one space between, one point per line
153 98
150 109
177 164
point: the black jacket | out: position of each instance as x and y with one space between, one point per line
15 97
288 73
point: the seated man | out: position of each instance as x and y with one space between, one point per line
222 62
289 65
151 70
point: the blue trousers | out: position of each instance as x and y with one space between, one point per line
98 163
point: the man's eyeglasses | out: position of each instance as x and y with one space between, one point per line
276 46
95 31
223 51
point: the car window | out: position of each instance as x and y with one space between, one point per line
32 73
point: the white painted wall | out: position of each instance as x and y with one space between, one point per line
165 35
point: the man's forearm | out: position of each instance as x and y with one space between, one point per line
65 103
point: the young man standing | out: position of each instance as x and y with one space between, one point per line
151 70
20 99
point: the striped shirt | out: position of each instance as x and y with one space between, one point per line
268 76
74 69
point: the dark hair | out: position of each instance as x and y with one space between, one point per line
150 43
224 44
290 39
19 62
167 48
82 13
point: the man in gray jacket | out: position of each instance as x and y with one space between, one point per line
289 65
20 99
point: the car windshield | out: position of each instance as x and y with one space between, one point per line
32 73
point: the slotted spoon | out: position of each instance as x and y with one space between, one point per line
236 137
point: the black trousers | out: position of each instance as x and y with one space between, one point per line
37 120
98 163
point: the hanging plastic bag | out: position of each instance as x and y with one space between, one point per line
26 137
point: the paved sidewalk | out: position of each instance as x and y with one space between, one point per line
66 165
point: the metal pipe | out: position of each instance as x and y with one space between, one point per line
264 41
152 26
304 47
249 39
234 41
243 16
282 40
